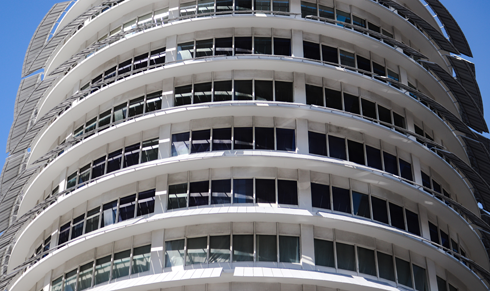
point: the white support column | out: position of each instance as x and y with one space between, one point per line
164 143
299 88
173 9
171 51
403 76
304 190
168 93
424 222
55 231
47 281
295 6
302 136
431 275
62 179
307 247
157 251
417 175
161 195
297 43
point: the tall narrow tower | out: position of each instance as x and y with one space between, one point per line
246 145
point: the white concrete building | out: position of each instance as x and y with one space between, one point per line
246 145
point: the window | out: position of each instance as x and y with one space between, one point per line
220 191
243 248
366 259
287 192
336 147
262 5
266 248
264 90
384 114
219 249
243 45
317 143
222 139
385 266
92 220
174 253
70 280
434 233
347 59
265 190
64 235
343 16
199 193
263 45
390 162
85 276
311 50
243 191
283 91
374 158
243 138
368 109
109 211
131 155
412 222
222 91
98 167
202 93
351 104
157 57
320 196
264 138
363 63
243 90
201 141
314 95
341 200
380 210
356 152
102 270
346 258
223 46
146 202
84 175
308 8
396 215
361 204
289 249
224 5
324 253
285 139
180 143
140 61
420 278
196 250
77 228
282 46
205 6
333 98
149 150
359 21
405 170
326 12
121 264
280 5
119 113
183 95
403 272
127 207
185 51
114 160
141 259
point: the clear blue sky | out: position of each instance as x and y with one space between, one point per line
17 32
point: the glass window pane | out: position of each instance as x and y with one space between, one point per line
380 210
285 139
201 141
220 191
336 146
157 57
92 222
385 266
420 278
262 5
141 259
199 193
71 181
153 101
174 253
98 167
104 118
317 143
109 211
403 272
289 249
368 109
444 239
146 202
384 114
282 46
351 103
326 12
314 95
406 170
412 222
243 45
359 21
77 228
361 204
131 155
396 215
205 6
280 5
102 270
219 249
197 249
441 284
264 91
183 95
399 120
70 281
121 264
264 138
57 285
91 124
177 197
127 207
343 16
434 233
243 191
324 255
265 190
263 45
379 69
363 63
243 90
84 174
346 258
374 158
85 276
222 139
224 45
367 263
347 59
311 50
266 248
180 144
120 112
149 151
114 161
140 61
185 51
341 199
334 98
284 91
243 139
391 165
287 192
124 67
243 248
188 8
202 93
356 152
320 196
308 8
222 91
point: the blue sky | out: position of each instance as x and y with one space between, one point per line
21 17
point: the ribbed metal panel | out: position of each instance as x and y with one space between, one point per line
456 35
41 35
465 73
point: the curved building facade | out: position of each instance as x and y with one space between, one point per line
246 145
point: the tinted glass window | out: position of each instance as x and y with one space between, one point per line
341 199
361 204
314 95
326 12
346 258
285 139
131 155
336 147
320 196
347 59
403 272
243 138
204 48
183 95
390 163
243 248
98 167
405 170
177 196
396 215
264 138
308 8
265 190
136 106
363 63
146 202
356 152
284 91
384 114
343 16
266 248
380 211
185 51
280 5
263 45
287 192
351 103
243 90
201 141
127 208
219 249
264 91
434 233
324 254
412 222
243 191
221 139
180 143
223 46
222 91
311 50
334 98
243 5
368 109
317 143
330 54
220 191
243 45
199 193
385 266
114 161
367 264
289 249
202 93
282 46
